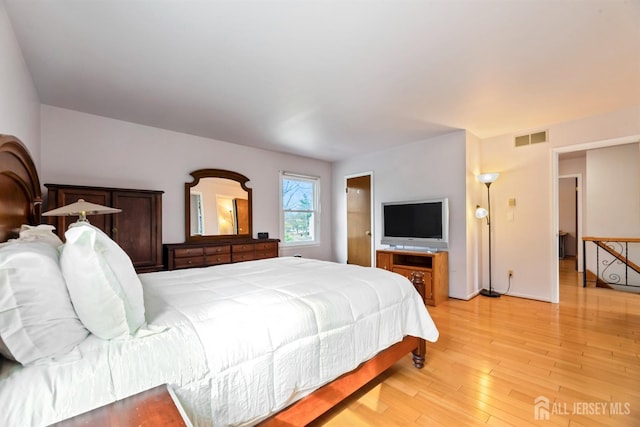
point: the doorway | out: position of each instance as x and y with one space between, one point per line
569 221
359 210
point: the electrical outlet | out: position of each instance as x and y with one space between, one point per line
510 273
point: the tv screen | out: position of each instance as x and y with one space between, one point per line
420 223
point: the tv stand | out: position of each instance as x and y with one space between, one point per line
435 267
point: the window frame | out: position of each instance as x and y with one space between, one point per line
316 211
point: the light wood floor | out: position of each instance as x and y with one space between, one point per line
496 356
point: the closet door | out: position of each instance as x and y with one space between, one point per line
138 228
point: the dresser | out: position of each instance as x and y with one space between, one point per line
201 254
137 229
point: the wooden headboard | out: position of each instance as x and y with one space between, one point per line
20 193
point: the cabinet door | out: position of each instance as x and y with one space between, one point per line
383 260
136 228
406 272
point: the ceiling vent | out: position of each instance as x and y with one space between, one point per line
532 138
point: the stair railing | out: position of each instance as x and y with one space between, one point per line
613 261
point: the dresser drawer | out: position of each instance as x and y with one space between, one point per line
218 259
188 252
214 250
192 261
266 253
242 256
242 248
273 247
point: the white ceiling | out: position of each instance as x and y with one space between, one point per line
332 79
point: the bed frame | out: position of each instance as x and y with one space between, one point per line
21 203
20 194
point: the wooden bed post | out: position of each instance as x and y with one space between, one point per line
417 278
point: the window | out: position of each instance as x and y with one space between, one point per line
300 217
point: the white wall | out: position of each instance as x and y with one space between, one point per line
613 199
431 168
84 149
475 194
519 232
19 103
613 202
527 243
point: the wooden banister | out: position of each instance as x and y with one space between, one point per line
612 239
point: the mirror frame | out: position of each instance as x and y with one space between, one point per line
214 173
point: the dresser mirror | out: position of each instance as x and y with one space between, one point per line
217 206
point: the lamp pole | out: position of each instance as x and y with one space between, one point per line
490 292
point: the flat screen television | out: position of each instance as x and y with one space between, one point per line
423 224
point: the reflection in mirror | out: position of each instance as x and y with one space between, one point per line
197 224
214 207
225 215
218 206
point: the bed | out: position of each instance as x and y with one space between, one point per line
272 342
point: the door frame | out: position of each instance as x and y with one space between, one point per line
371 220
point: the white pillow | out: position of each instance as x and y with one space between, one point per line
42 232
104 287
37 319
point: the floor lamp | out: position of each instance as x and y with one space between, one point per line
487 179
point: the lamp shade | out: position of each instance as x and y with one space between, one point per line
481 213
488 178
81 209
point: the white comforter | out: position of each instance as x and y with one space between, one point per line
242 341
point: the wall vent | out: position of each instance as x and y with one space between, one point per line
532 138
